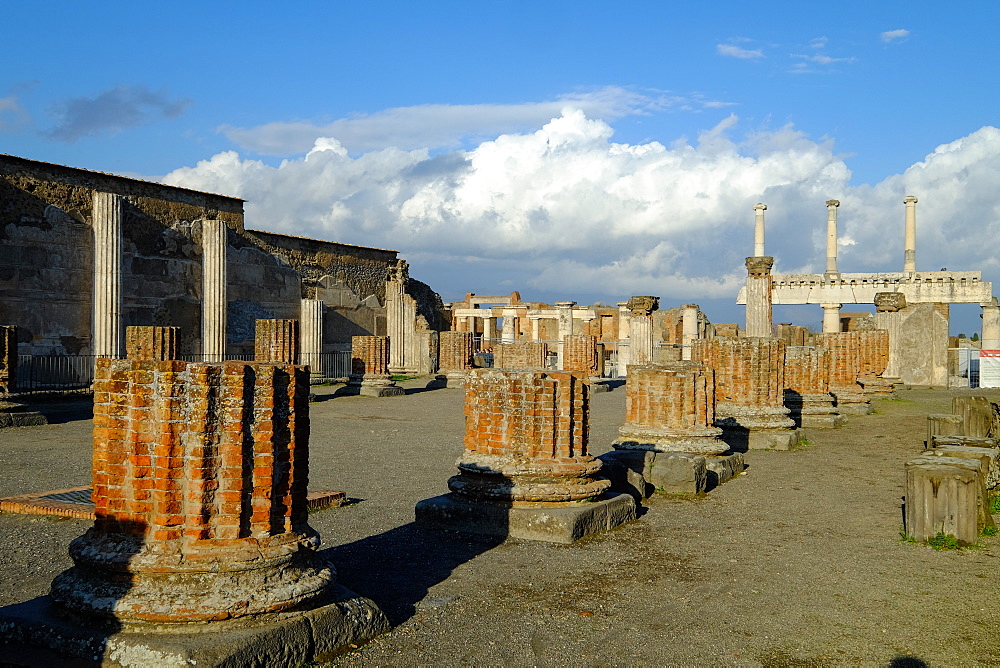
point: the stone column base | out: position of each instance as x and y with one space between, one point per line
550 522
852 400
824 421
640 473
16 414
36 633
884 388
701 441
373 386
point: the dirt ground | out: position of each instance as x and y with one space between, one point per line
798 562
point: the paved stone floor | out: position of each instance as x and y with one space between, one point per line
796 563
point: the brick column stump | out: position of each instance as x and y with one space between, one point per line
581 355
525 471
807 388
152 343
13 413
845 370
201 552
370 368
669 443
874 345
276 341
520 355
749 391
455 358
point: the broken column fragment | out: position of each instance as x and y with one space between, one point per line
526 471
370 367
845 370
807 388
455 356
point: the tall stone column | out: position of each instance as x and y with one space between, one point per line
831 318
213 300
910 236
689 325
526 471
991 325
831 235
758 313
108 211
758 230
509 327
489 330
749 390
889 316
564 312
641 328
311 334
624 352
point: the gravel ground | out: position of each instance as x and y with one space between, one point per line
796 563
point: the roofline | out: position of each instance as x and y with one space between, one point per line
323 241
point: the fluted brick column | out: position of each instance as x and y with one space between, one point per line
152 343
200 495
277 341
456 351
108 213
807 387
874 352
526 471
671 408
845 370
370 367
580 354
641 328
214 300
8 357
749 390
758 312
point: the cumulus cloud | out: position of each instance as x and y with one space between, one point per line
112 111
894 35
448 125
566 211
733 51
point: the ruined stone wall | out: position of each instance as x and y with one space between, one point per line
807 370
856 354
749 371
520 355
456 350
580 354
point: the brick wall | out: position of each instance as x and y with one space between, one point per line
370 355
456 350
277 341
519 355
152 343
748 371
850 355
8 357
674 397
807 369
580 353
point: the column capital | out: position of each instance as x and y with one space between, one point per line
909 199
643 305
759 207
760 265
833 202
565 304
889 302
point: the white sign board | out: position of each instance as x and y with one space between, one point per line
989 368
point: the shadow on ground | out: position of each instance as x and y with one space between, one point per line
397 568
68 410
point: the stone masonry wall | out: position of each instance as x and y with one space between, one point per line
8 357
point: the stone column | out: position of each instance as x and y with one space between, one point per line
910 237
456 350
152 343
807 388
526 471
689 324
277 341
831 235
509 329
395 321
370 367
990 337
889 316
489 327
8 357
758 313
108 211
623 355
641 328
749 390
311 334
831 318
213 300
534 329
758 230
565 315
202 516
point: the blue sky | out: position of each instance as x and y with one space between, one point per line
584 150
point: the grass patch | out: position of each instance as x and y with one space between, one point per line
944 541
990 531
397 379
995 504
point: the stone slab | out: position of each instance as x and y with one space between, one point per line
626 469
381 391
855 409
554 523
598 387
22 418
677 473
823 421
721 469
781 439
33 633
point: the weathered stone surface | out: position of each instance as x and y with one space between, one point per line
943 424
966 441
152 343
678 473
8 358
370 368
945 495
16 414
980 416
990 457
723 468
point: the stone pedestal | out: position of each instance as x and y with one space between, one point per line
370 368
202 526
525 471
152 343
945 495
749 390
807 388
276 341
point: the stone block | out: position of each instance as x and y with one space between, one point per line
16 414
968 441
626 469
380 390
988 457
720 469
554 523
32 634
978 414
945 495
678 473
943 424
779 439
830 421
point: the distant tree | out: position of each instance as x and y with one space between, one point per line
961 336
975 337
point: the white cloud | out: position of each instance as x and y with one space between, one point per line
567 211
733 51
894 35
448 126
